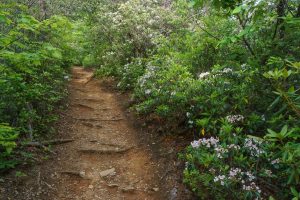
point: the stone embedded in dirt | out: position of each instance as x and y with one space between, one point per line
173 194
109 172
91 186
82 174
113 185
87 124
155 189
128 189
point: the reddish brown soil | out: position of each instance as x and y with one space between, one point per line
106 137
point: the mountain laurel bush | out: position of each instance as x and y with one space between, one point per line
229 71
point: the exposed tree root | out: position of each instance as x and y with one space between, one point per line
49 142
92 100
74 173
105 151
91 125
89 79
83 106
105 144
96 119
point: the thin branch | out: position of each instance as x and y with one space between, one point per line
30 128
11 42
206 31
244 38
211 35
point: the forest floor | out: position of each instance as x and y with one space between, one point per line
111 158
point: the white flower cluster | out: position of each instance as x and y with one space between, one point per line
186 165
234 146
195 144
234 118
250 176
150 72
252 187
210 142
236 174
276 161
220 178
221 72
254 147
268 172
220 151
190 122
214 143
227 70
148 91
188 114
203 75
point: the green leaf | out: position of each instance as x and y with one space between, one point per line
294 191
237 10
284 130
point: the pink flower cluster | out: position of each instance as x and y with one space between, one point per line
210 142
254 147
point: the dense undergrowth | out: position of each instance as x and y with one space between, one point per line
229 70
35 56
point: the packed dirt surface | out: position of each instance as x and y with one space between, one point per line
106 158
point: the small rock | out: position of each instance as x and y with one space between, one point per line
108 172
173 194
155 189
128 189
91 186
113 185
82 174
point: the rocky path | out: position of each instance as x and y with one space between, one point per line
105 161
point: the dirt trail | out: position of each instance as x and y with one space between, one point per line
106 160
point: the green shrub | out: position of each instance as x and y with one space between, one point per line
220 68
234 166
131 73
35 59
8 136
89 61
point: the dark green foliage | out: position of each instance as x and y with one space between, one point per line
34 59
227 69
8 136
215 67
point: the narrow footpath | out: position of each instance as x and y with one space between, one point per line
104 161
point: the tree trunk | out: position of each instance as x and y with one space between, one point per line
281 7
298 11
167 3
43 13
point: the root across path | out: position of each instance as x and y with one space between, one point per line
102 158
